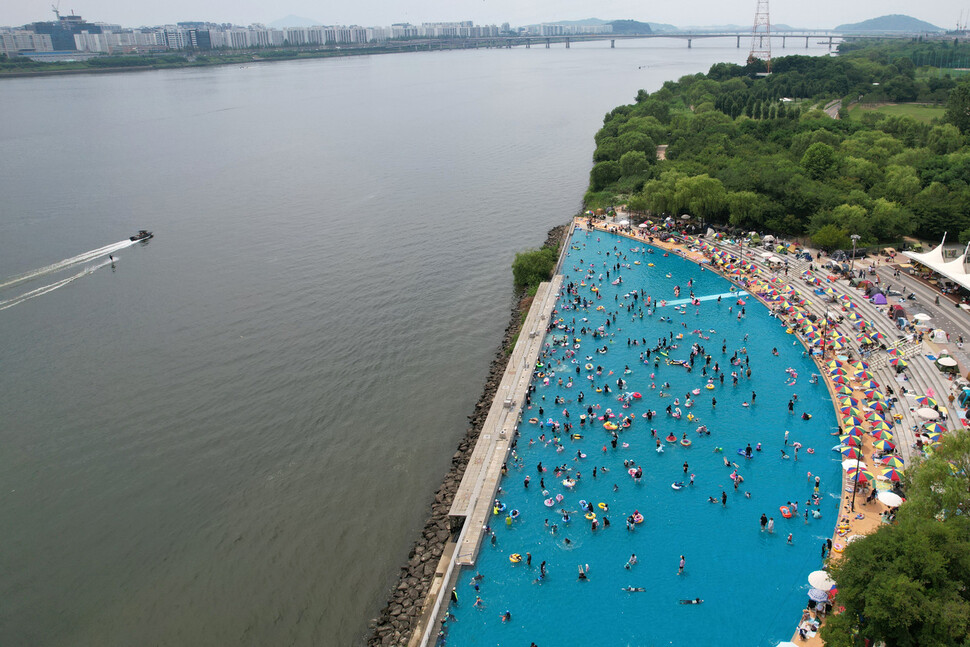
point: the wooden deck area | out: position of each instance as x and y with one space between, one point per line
475 495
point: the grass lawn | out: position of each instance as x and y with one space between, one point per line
917 111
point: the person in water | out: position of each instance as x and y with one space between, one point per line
694 601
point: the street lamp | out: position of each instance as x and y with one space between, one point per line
855 238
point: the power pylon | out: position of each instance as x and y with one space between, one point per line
761 36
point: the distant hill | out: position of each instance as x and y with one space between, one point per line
630 27
894 22
294 21
585 22
659 27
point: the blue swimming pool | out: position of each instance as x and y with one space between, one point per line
752 582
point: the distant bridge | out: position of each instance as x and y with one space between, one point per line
825 37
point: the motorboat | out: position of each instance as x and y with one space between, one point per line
141 235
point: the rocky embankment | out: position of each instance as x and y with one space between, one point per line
398 618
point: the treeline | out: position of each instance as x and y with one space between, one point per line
753 151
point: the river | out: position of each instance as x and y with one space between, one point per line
233 434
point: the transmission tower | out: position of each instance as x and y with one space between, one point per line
761 36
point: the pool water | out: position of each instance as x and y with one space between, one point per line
753 583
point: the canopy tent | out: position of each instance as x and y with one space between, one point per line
957 270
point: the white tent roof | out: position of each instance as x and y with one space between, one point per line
957 270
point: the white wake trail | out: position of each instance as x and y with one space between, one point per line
66 263
27 296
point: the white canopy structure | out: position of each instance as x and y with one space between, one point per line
956 270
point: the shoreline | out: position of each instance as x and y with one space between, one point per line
403 611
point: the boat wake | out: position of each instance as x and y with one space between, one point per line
27 296
66 263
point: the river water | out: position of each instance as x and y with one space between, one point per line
233 434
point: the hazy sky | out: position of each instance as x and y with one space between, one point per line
799 13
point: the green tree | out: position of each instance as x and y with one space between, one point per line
634 163
958 107
701 195
831 237
944 139
745 208
603 174
532 267
819 161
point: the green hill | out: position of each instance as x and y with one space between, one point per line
891 23
630 27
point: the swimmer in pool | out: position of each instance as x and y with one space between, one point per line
694 601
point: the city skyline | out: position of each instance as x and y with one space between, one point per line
823 14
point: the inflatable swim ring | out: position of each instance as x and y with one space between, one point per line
685 442
515 558
677 485
709 387
590 515
671 438
568 482
550 502
638 518
810 450
514 514
838 547
559 498
602 505
696 391
533 421
785 512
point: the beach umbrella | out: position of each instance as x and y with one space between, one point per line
850 411
932 437
880 425
818 595
928 414
849 401
840 379
870 384
838 370
820 580
851 463
879 405
862 375
892 461
861 474
891 499
882 434
884 445
835 362
922 316
893 352
926 401
934 427
853 430
874 416
850 441
891 473
851 420
850 452
873 394
845 390
895 361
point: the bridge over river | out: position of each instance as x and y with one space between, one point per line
823 37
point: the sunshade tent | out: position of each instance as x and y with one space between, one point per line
879 299
821 580
891 499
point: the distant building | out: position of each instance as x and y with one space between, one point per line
62 31
23 42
